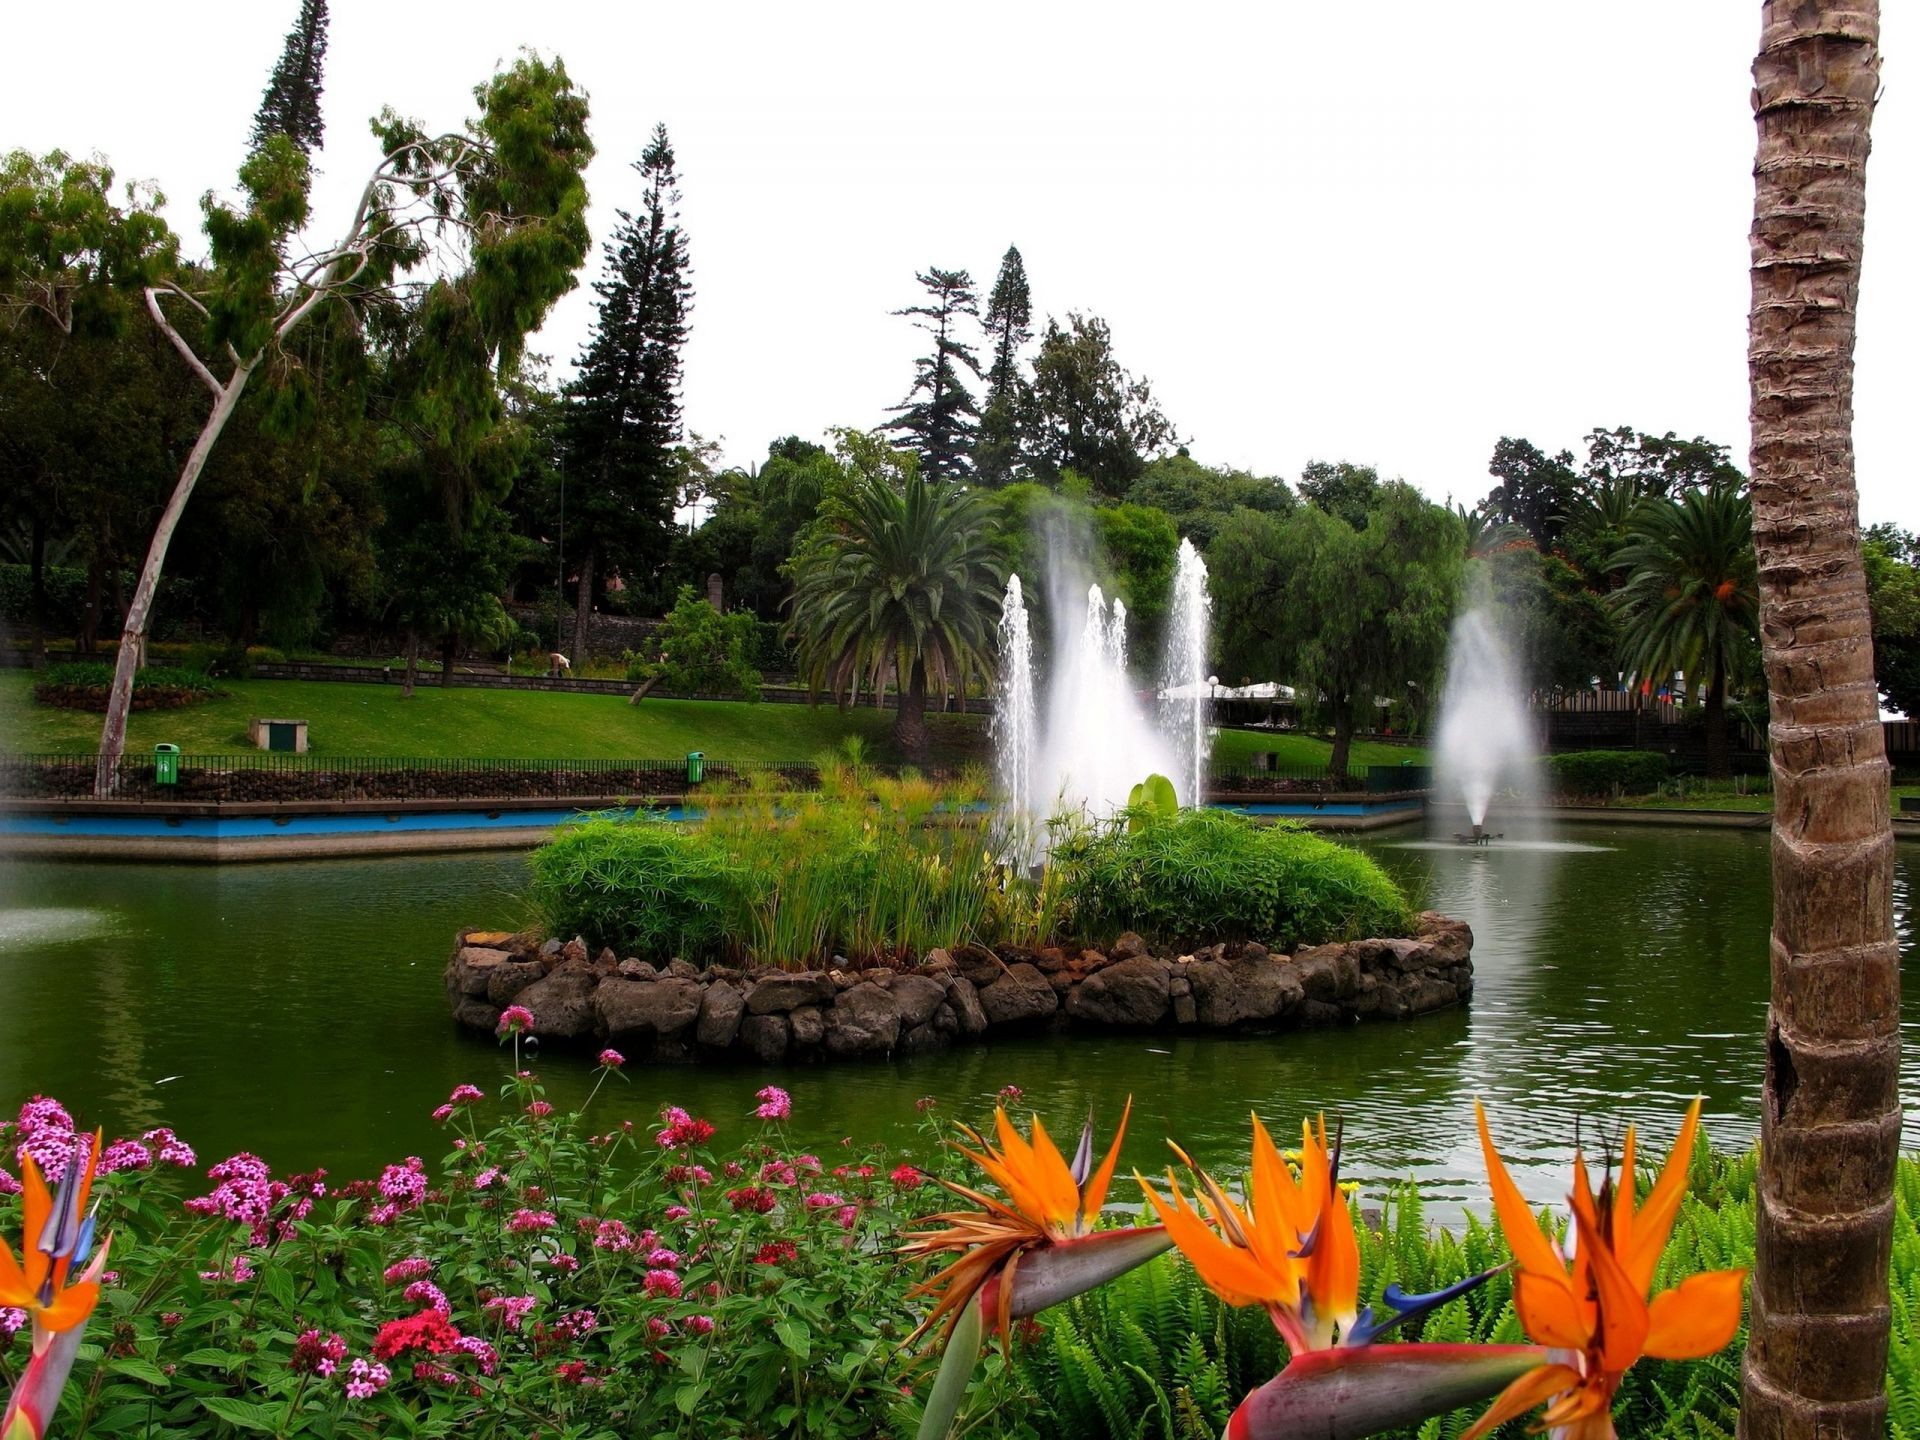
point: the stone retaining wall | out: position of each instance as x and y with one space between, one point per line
682 1013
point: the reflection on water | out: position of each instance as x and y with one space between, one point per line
300 1008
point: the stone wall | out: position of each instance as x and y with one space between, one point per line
682 1013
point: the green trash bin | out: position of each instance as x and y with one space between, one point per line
696 766
166 764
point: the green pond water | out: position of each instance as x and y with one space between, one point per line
296 1010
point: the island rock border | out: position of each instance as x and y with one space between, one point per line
680 1013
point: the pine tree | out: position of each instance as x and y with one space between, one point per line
624 406
1009 326
939 413
291 106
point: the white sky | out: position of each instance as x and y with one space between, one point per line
1387 232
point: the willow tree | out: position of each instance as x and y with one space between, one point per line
494 213
1830 1117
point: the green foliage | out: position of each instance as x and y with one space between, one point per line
1088 414
68 250
1151 801
703 652
1142 547
869 868
1691 600
291 105
1893 590
1198 498
1352 613
1562 632
1607 772
1533 490
998 451
1206 875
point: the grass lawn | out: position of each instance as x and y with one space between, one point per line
346 719
1719 795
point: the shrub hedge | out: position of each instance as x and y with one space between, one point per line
1607 772
84 684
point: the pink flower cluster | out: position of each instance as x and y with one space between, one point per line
403 1188
612 1059
315 1354
12 1317
905 1177
243 1193
662 1283
680 1131
403 1271
515 1019
510 1310
367 1378
775 1103
45 1135
425 1292
239 1271
527 1222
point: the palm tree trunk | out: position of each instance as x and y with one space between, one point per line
1719 764
1830 1118
910 719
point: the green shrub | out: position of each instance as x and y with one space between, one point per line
1209 875
1607 772
643 885
84 685
702 652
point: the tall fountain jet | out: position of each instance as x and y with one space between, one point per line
1484 744
1082 740
1185 685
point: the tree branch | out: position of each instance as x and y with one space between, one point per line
179 342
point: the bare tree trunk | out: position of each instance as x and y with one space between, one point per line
449 649
1342 739
113 734
583 613
1830 1117
37 555
90 621
413 661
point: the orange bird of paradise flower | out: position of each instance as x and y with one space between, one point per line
1597 1310
1039 1245
56 1235
1291 1248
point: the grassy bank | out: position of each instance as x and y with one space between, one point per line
1725 796
512 724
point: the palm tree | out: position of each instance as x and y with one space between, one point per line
903 588
1600 525
1830 1114
1690 601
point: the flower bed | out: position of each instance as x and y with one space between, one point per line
84 685
704 1278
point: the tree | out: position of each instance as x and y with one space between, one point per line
510 187
1009 326
1690 600
1534 490
900 584
79 395
701 652
1088 414
1830 1114
1348 491
291 106
1561 630
624 406
1350 614
1659 465
445 577
939 415
1893 589
1199 497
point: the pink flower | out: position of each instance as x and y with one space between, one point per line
515 1019
905 1177
778 1172
576 1326
677 1212
169 1148
442 1114
405 1185
822 1200
846 1215
239 1272
510 1310
366 1378
425 1292
776 1252
775 1103
403 1271
9 1183
612 1059
809 1163
317 1354
662 1282
486 1177
565 1264
756 1198
243 1195
679 1130
11 1319
481 1351
539 1109
662 1258
925 1103
657 1328
1010 1093
125 1155
525 1222
699 1324
610 1235
465 1095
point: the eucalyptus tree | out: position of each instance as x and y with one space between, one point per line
1830 1113
465 238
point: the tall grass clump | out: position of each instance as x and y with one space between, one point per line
1208 875
642 884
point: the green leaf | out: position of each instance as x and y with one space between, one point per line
245 1413
794 1336
687 1397
139 1369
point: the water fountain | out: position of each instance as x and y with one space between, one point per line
1484 745
1086 739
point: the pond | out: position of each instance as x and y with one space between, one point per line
296 1010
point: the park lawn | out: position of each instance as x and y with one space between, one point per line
356 720
1712 798
353 720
